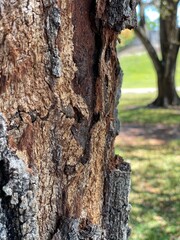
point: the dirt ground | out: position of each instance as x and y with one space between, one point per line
154 134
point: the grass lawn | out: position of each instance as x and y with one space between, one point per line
155 194
139 73
133 110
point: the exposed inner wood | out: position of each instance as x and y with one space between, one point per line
59 87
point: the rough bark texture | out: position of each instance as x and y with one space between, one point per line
60 84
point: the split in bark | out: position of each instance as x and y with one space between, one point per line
59 93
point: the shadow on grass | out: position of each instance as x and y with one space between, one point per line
156 218
155 193
156 232
145 115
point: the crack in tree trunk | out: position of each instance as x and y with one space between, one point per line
60 85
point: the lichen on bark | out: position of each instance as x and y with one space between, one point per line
18 189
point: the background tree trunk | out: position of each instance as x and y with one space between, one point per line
59 84
169 42
167 94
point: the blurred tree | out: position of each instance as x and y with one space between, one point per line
169 33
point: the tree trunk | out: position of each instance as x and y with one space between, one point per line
169 42
59 86
165 71
167 95
169 37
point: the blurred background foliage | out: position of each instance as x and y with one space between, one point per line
125 38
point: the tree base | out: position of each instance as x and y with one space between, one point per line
164 102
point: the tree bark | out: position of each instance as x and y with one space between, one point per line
60 84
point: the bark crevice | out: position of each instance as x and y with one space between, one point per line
60 82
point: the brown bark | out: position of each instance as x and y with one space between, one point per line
59 85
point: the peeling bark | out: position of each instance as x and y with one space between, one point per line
60 85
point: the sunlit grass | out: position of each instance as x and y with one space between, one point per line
139 72
132 109
155 193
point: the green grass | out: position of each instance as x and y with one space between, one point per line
155 193
139 73
132 109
